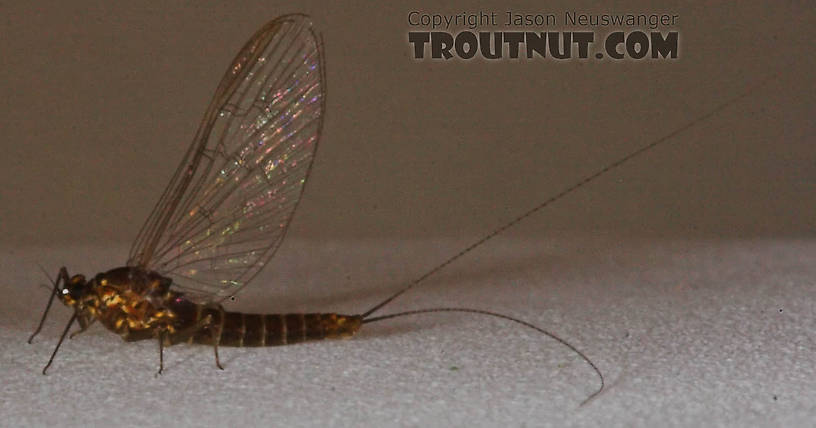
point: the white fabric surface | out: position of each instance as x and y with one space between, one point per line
687 332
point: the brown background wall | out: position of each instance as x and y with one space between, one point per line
99 101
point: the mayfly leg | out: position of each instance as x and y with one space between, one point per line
84 323
188 333
63 275
62 337
162 335
217 337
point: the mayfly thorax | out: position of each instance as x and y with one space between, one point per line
227 209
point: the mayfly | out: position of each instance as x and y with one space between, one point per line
226 211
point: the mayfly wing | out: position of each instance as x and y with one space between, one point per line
229 203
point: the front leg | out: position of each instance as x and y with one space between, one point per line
63 276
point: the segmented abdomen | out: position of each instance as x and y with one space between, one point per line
240 329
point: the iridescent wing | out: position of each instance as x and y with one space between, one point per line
229 204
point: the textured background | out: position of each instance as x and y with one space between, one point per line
687 274
687 332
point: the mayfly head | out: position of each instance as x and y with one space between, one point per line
73 290
69 290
